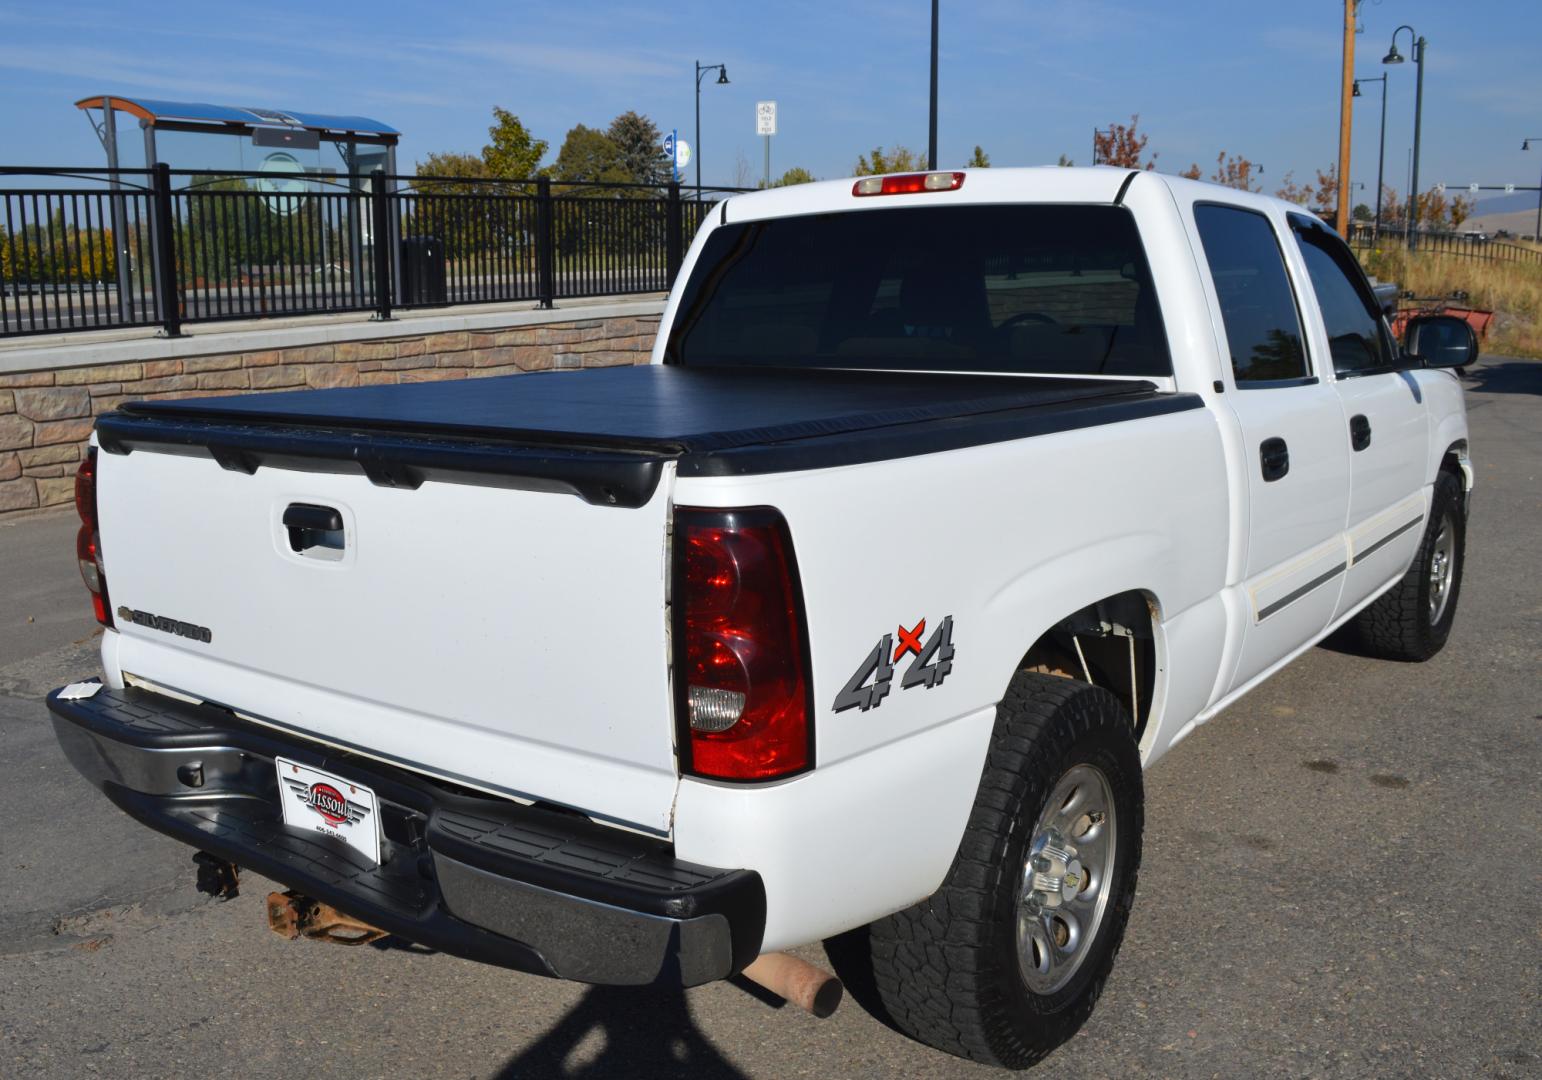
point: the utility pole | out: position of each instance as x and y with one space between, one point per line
1346 117
931 135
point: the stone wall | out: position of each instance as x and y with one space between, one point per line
46 415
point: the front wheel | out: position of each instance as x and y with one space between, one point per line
1006 960
1412 620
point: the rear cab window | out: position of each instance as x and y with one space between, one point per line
1030 289
1258 304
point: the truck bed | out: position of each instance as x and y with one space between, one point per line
604 436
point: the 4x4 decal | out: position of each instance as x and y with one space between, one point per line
931 663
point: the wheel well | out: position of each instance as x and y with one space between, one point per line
1455 462
1110 643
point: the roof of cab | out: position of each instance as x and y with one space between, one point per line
1045 183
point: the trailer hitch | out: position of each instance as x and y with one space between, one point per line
291 916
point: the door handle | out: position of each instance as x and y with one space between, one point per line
1274 459
1359 432
313 526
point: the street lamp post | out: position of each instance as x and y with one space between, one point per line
931 129
1381 154
1394 57
722 80
1537 234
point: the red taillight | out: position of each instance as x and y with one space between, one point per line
88 541
741 654
908 183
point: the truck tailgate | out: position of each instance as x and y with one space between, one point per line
511 640
497 615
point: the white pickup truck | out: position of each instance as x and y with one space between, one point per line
948 503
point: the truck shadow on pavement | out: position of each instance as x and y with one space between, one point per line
621 1031
1504 377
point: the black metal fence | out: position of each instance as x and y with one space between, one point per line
1460 245
90 249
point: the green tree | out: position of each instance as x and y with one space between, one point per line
511 153
795 175
898 159
1361 212
639 144
589 155
1065 162
978 160
457 167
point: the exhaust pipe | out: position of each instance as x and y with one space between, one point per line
810 988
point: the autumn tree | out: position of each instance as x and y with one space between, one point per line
1460 210
1326 201
1235 171
978 160
897 159
1192 172
639 143
1432 210
1122 145
1392 208
1290 191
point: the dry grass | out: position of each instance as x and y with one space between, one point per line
1512 290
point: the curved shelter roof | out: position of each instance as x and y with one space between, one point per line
156 112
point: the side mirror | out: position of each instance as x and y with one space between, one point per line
1441 341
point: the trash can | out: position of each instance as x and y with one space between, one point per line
423 271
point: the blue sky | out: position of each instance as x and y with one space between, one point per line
1026 79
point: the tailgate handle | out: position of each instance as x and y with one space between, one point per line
313 526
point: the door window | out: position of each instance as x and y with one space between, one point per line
1356 337
1258 308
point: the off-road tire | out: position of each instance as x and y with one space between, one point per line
945 971
1397 625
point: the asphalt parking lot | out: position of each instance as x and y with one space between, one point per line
1343 877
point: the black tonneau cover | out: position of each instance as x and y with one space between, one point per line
604 434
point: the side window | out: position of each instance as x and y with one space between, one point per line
1355 334
1258 308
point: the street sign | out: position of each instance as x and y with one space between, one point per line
765 118
1509 189
1440 189
1472 188
669 146
682 153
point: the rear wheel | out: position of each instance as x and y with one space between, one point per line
1006 960
1412 620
